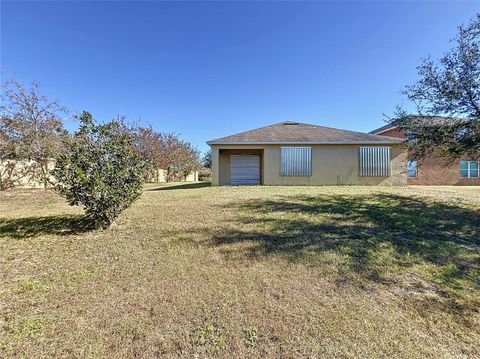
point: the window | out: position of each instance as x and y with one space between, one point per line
412 169
469 169
375 161
463 132
295 161
411 136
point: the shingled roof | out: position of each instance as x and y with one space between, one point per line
290 132
426 120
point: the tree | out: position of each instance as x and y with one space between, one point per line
148 143
447 99
100 170
162 150
179 158
170 155
7 156
207 159
30 128
189 159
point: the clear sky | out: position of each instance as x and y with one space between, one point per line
209 69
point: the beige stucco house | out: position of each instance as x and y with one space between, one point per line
292 153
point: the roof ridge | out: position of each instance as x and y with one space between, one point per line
253 129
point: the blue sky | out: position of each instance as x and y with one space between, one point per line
209 69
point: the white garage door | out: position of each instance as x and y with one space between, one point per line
245 170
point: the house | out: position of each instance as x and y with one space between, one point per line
293 153
434 170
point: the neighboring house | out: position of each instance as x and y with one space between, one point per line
433 170
292 153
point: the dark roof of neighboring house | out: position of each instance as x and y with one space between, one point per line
290 132
437 120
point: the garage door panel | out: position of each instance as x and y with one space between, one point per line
245 170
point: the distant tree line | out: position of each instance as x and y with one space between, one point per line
32 131
166 151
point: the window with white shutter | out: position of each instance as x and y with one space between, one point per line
375 161
295 161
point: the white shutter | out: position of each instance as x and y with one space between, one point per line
375 161
295 161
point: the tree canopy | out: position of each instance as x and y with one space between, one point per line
31 128
100 169
207 159
166 151
447 100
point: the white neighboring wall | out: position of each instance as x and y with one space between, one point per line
22 174
162 176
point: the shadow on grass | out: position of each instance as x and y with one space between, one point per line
21 228
194 185
369 235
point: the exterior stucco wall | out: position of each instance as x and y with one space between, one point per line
161 174
224 170
331 164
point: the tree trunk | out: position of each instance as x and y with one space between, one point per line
44 168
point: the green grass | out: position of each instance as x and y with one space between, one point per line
244 272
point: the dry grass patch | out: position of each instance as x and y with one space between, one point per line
248 272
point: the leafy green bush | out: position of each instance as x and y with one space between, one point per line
100 170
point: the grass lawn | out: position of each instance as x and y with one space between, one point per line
191 270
